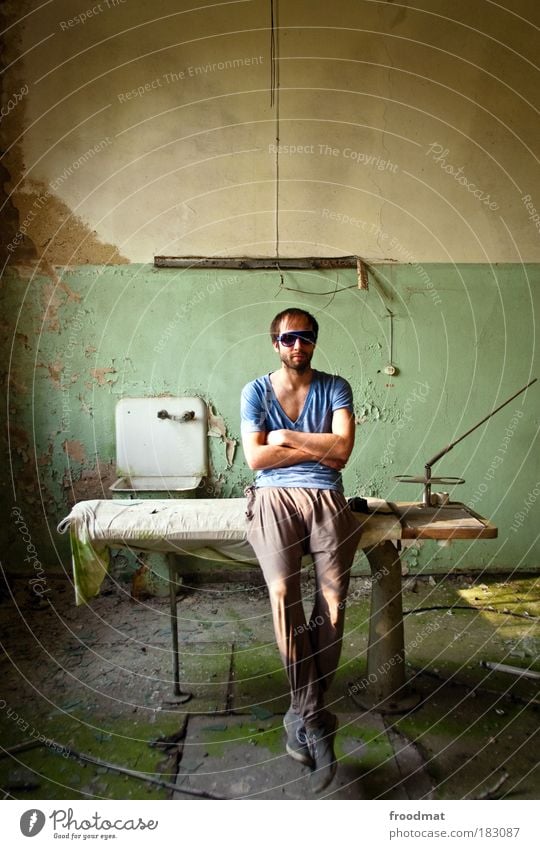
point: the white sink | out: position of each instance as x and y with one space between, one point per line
156 484
161 444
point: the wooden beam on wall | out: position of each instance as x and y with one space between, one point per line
257 263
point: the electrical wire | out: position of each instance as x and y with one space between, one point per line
331 292
274 102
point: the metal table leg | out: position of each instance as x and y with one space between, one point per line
178 696
384 687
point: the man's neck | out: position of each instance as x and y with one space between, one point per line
292 379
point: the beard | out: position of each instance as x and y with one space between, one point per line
297 361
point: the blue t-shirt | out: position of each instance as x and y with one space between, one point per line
260 411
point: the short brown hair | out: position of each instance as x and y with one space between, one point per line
293 312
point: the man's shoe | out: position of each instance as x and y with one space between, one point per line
321 746
297 746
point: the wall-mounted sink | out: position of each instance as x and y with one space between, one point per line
161 445
157 484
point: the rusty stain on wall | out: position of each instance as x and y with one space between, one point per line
23 465
22 337
29 484
54 370
52 301
58 235
36 223
99 374
46 458
19 441
74 450
16 383
90 483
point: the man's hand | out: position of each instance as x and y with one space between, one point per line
260 454
278 448
330 449
287 439
276 437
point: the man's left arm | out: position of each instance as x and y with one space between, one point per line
336 446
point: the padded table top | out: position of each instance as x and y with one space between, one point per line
186 525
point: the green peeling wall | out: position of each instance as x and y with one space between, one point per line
463 343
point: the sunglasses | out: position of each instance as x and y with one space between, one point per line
307 337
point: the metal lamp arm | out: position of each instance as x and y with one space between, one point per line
448 448
436 457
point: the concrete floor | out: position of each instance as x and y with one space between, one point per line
96 681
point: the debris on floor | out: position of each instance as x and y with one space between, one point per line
85 711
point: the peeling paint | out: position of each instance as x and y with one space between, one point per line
90 483
218 429
74 449
85 407
230 450
216 424
99 374
213 488
22 337
16 383
19 440
53 302
46 458
30 485
54 372
370 411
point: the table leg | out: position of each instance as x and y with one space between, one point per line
384 687
179 697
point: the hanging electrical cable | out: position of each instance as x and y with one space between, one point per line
274 102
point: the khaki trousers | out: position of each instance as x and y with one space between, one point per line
284 524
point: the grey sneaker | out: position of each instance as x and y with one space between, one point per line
296 745
321 746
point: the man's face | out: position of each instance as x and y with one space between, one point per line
298 356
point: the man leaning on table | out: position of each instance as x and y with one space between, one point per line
298 433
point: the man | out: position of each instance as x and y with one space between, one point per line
298 433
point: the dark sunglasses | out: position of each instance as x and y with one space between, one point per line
308 337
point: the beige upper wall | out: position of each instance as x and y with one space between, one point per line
389 116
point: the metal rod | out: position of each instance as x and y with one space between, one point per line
174 624
82 756
427 486
21 747
179 696
455 442
426 499
391 345
511 670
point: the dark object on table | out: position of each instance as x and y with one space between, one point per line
358 505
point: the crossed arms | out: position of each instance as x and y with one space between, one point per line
279 448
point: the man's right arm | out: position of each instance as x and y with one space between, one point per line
259 455
254 407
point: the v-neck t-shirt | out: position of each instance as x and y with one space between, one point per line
260 411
